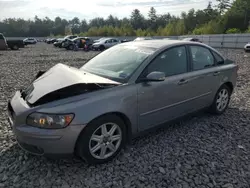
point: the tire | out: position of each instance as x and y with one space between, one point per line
71 47
102 48
222 92
15 47
85 141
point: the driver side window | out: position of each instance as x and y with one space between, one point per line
172 62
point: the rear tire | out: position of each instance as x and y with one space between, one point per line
97 144
221 100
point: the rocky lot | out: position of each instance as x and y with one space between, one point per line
202 151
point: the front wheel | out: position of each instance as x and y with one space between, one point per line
101 140
221 100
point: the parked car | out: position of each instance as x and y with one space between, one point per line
3 42
192 39
247 47
29 41
143 38
98 40
68 37
125 40
58 42
132 87
51 41
105 43
10 43
15 44
70 44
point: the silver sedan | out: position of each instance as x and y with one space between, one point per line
130 88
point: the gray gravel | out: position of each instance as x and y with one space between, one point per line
202 151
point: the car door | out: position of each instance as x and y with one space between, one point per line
204 74
108 43
162 101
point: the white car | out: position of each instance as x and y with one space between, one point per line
143 38
29 41
247 47
105 43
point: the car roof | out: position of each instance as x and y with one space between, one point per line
159 43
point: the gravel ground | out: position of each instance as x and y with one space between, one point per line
202 151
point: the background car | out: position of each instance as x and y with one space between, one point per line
58 42
13 44
192 39
125 40
29 41
3 43
66 38
105 43
143 38
51 41
98 40
247 47
70 44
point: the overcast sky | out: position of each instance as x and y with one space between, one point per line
89 9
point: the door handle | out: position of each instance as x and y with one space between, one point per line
216 73
182 81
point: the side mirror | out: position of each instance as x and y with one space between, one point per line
155 77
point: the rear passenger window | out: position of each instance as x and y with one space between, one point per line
218 58
201 57
172 62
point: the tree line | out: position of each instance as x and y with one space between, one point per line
224 17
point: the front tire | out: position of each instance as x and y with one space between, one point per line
221 100
102 139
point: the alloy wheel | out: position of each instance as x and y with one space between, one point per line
222 100
105 141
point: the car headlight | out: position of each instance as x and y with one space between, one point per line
49 121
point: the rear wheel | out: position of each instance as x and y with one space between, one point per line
221 100
101 140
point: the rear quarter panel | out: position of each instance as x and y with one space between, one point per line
228 73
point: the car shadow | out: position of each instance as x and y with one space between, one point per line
194 138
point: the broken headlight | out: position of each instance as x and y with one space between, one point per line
49 121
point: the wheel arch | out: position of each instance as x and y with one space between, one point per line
122 116
229 85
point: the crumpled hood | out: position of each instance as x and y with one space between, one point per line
62 81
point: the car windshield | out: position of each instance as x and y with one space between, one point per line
119 62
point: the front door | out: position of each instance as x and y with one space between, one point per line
162 101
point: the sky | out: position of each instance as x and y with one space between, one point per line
89 9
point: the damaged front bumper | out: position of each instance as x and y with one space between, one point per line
38 141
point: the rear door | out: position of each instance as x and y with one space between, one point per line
205 75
